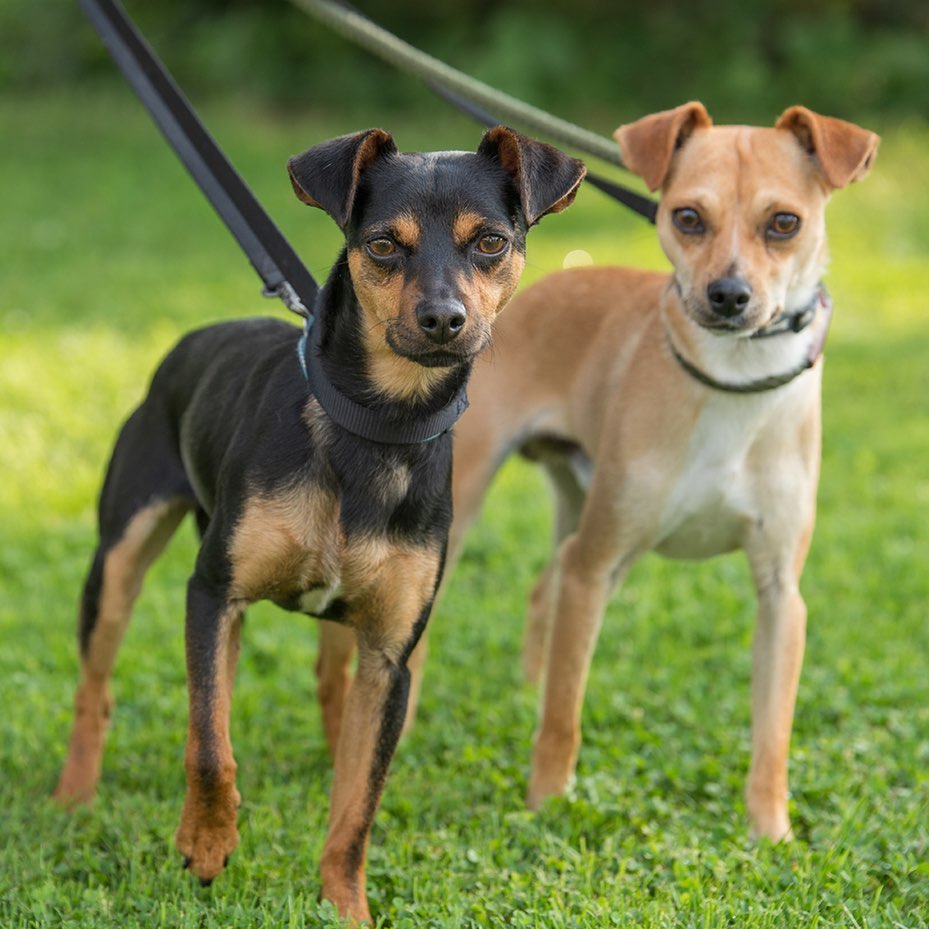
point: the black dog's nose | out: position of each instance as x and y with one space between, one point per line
729 296
441 322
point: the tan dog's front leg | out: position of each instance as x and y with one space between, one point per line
777 659
207 834
582 587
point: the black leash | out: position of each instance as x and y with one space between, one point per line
277 264
272 256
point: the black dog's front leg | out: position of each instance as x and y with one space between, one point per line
387 624
207 834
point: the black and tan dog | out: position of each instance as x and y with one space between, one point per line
296 509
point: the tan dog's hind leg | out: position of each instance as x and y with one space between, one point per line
538 623
333 676
111 590
474 467
569 503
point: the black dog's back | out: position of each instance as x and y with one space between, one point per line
172 445
230 384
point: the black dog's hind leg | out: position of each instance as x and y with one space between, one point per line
144 498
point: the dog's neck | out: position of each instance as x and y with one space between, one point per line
754 362
342 373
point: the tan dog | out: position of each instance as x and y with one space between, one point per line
676 413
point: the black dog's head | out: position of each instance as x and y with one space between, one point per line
435 241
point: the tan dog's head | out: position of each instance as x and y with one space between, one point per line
742 208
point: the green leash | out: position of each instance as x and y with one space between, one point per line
360 30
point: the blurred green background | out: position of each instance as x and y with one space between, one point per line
591 59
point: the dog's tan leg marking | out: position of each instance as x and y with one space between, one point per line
207 833
538 623
385 619
585 579
124 568
333 676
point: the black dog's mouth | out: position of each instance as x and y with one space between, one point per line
439 359
446 356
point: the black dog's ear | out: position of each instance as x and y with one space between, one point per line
327 174
546 178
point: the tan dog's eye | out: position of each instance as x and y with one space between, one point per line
382 247
783 225
491 244
687 219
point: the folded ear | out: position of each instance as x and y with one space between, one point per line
547 179
845 152
327 174
648 144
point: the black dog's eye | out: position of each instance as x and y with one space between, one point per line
687 219
783 225
491 244
382 247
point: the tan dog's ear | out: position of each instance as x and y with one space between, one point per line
546 178
845 152
648 144
327 174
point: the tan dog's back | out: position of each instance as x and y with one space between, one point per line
545 375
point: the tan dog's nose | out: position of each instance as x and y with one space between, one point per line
729 296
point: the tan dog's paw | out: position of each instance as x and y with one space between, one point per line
774 826
206 838
767 813
76 787
552 769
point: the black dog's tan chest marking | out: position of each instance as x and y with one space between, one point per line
286 544
291 548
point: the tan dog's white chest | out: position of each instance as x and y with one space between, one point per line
713 498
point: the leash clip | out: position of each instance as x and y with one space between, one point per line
288 296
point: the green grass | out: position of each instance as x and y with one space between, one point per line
108 253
